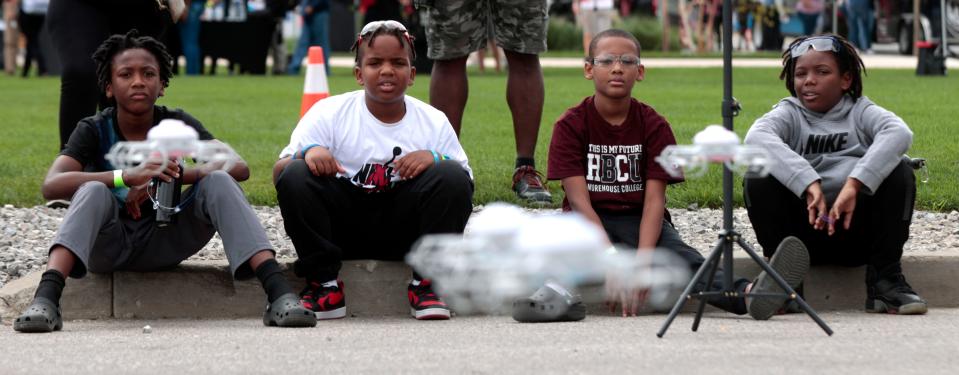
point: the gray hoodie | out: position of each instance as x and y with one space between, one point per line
857 139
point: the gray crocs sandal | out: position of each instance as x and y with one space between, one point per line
551 303
42 316
287 311
791 261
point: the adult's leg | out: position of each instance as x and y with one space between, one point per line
190 38
321 36
520 28
31 32
455 29
524 94
852 24
77 28
11 36
299 53
449 89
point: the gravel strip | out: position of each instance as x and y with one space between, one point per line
25 234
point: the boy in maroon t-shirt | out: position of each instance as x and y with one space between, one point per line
603 153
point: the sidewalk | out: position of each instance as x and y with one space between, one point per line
204 289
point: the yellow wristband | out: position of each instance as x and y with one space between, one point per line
118 179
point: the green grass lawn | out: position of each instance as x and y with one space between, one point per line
256 115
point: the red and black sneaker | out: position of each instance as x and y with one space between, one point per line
326 302
424 304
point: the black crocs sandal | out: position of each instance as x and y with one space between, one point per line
549 305
287 311
42 316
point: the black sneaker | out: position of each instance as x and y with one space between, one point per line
326 302
424 304
551 303
893 295
528 185
791 261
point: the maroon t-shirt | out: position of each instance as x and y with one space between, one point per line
616 160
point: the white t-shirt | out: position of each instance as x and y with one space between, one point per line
358 140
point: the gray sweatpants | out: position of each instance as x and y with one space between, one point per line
104 241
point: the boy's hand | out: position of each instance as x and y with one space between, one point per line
816 206
414 163
619 294
321 162
845 205
151 168
135 197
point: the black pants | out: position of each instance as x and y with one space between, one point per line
329 219
30 25
624 229
879 229
77 28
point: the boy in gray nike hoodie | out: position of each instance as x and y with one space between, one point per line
838 180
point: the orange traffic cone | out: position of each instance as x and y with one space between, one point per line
314 85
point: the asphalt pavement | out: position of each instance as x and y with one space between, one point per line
862 343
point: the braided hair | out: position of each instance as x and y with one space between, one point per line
116 44
847 59
406 40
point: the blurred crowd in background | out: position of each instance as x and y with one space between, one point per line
272 36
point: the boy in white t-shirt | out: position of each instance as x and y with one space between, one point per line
368 172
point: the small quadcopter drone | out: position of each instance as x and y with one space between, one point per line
714 144
172 139
507 253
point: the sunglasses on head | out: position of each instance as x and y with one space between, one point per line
388 25
818 43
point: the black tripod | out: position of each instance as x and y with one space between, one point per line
728 236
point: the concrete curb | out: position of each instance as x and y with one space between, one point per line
376 288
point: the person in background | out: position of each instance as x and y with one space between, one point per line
315 32
457 28
11 36
593 16
190 36
809 12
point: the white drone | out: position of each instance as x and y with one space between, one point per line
507 253
172 139
714 144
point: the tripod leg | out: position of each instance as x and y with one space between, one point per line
783 284
692 283
720 245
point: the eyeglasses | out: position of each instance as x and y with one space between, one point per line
604 61
818 43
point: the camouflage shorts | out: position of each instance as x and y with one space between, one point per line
454 28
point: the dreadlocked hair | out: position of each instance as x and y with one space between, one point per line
847 59
117 43
406 40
